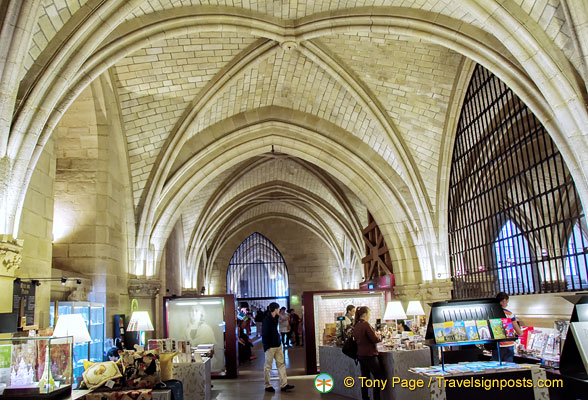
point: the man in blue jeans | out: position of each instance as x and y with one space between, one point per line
272 346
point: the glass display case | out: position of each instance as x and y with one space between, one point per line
321 310
204 320
574 356
35 367
93 314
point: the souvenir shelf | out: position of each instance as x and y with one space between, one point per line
35 367
93 314
462 318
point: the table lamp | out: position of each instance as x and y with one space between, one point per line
140 322
70 325
394 311
415 309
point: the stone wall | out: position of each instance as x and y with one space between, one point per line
90 209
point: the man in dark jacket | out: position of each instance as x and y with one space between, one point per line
272 346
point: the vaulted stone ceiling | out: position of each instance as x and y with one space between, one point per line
379 82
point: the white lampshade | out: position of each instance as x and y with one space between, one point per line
394 310
415 308
140 321
72 325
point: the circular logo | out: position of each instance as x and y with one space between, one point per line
323 383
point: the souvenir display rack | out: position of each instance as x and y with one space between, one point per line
36 367
463 310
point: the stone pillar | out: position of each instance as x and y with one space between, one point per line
10 259
147 293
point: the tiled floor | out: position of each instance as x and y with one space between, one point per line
250 385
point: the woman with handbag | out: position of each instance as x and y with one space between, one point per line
367 352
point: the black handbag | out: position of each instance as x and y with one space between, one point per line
350 348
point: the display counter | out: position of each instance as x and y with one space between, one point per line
481 381
394 363
321 310
195 377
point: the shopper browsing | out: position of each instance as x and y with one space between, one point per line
507 348
273 349
258 322
402 327
367 353
294 326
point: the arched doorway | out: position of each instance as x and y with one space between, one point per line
257 274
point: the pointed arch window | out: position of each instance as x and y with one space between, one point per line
513 258
576 262
504 163
257 270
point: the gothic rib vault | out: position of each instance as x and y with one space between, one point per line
311 111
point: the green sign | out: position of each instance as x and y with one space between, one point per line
5 355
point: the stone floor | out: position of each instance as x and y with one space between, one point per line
250 385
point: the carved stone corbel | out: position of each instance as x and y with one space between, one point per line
146 288
428 291
10 254
80 292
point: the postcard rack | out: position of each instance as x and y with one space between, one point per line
463 310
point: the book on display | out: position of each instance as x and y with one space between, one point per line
448 326
497 328
472 330
459 331
508 328
439 331
483 329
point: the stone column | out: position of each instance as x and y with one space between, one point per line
147 293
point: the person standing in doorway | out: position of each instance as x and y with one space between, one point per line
507 348
272 348
284 321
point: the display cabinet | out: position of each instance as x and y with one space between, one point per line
321 309
205 320
35 367
574 356
468 322
93 314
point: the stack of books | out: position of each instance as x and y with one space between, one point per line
469 368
